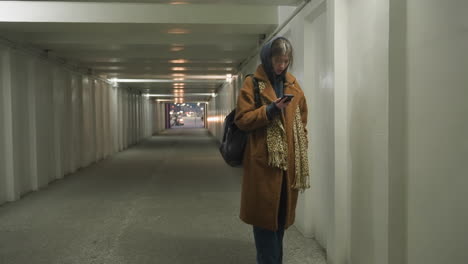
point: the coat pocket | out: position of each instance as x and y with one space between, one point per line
258 146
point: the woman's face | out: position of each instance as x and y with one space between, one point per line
280 63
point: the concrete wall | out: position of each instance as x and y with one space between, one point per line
400 131
341 52
55 121
159 117
316 203
342 64
367 35
221 105
436 128
310 36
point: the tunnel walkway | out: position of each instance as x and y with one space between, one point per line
170 199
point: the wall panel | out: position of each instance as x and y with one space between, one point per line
55 121
20 120
59 82
9 187
44 124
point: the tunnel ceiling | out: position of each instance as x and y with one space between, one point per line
248 2
196 43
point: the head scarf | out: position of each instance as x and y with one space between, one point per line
265 57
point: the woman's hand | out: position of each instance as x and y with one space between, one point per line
281 103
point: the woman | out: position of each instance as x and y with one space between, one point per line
275 159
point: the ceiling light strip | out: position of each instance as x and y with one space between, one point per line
185 95
168 80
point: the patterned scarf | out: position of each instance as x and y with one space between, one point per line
277 146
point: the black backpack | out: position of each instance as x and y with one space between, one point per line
234 140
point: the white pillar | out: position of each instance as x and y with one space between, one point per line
58 99
31 99
67 126
339 246
119 119
78 157
108 132
11 185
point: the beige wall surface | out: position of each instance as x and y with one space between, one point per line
437 129
55 121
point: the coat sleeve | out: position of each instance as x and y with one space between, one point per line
248 117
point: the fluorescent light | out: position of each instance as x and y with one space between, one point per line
177 48
114 82
205 77
179 81
185 95
177 31
178 61
141 80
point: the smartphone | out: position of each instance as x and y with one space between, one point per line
288 97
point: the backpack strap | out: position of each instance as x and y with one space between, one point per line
258 103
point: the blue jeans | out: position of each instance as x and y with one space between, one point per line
269 244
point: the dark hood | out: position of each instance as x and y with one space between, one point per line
265 57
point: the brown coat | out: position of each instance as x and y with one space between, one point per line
261 184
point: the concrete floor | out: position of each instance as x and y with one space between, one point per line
170 199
